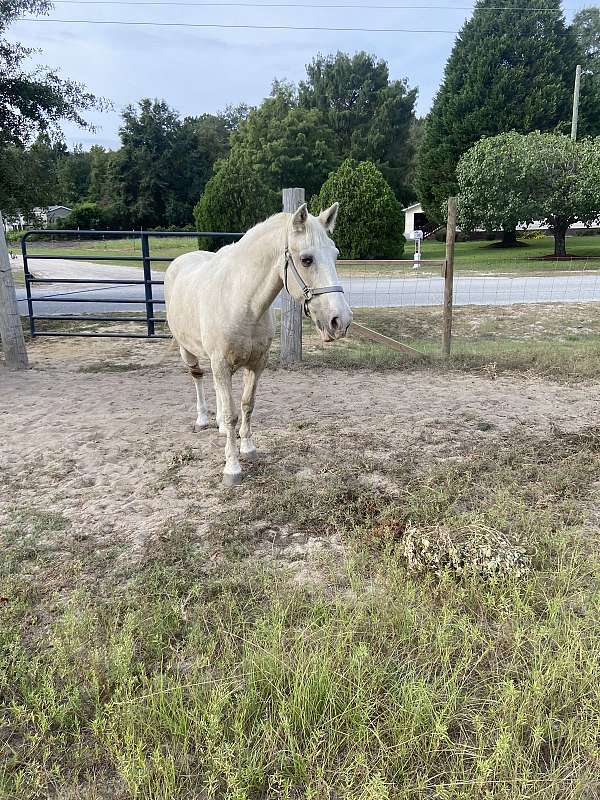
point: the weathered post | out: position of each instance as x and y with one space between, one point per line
291 310
449 276
11 333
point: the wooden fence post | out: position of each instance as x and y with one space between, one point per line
11 332
291 310
449 276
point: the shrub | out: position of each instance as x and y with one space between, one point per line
234 199
370 220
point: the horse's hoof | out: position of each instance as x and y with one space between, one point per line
251 455
232 479
198 427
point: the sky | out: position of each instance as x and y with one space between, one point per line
199 70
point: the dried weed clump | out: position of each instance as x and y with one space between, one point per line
464 551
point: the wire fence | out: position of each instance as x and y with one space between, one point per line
506 302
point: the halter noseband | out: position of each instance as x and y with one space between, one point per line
307 291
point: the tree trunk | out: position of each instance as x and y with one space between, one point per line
560 231
509 238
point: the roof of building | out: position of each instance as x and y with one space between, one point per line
55 208
414 205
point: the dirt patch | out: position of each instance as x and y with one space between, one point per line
98 435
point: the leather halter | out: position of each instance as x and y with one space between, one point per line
307 291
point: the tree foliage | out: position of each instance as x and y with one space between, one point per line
235 199
511 68
370 219
586 27
288 145
33 102
369 115
162 166
513 179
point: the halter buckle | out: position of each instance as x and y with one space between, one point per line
308 293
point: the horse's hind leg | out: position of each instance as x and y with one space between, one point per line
191 362
247 447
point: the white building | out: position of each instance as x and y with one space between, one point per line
41 217
416 219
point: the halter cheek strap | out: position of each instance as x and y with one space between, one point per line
307 291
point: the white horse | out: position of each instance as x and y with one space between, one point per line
219 305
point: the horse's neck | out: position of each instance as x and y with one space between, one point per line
258 261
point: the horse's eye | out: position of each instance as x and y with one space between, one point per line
307 261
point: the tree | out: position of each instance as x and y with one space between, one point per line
369 115
370 219
288 145
494 183
514 178
586 28
567 182
511 68
234 199
32 102
163 165
28 177
73 172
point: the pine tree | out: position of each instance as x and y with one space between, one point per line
510 69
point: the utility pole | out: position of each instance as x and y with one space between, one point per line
575 118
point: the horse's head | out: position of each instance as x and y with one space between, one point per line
310 273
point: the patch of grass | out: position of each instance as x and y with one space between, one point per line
398 685
483 256
29 537
480 256
552 340
109 366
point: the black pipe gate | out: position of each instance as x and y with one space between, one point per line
148 300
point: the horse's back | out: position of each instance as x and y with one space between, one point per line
185 268
184 280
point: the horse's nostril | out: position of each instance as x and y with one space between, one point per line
335 324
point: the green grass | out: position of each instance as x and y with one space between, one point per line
470 256
86 249
391 681
559 341
483 256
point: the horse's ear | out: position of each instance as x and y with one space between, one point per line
300 217
328 217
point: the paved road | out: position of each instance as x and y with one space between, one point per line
422 290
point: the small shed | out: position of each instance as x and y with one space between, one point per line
414 219
57 212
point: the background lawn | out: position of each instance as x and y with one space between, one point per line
481 256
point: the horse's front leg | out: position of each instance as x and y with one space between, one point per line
247 447
232 474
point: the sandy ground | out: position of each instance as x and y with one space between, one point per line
100 433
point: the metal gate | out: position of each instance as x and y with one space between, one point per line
149 318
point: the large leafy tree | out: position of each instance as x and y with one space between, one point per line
73 176
163 165
33 101
514 178
288 145
369 114
586 27
511 68
370 221
235 199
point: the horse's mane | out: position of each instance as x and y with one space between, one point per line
280 222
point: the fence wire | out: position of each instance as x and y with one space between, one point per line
508 304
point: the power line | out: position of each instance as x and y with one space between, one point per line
235 27
202 4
